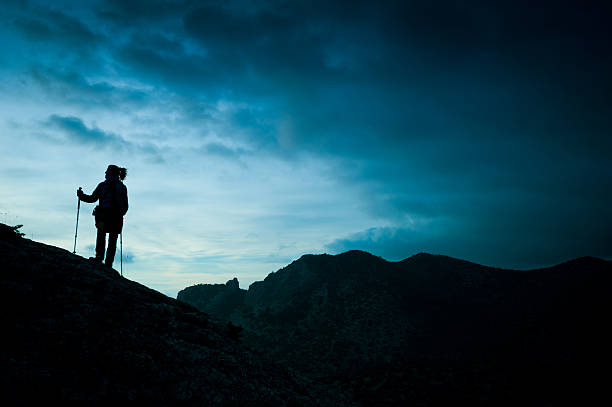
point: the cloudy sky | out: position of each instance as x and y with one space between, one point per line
258 131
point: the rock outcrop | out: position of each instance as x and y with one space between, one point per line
224 301
76 332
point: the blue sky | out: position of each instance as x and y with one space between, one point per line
255 132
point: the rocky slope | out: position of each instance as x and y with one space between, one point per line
429 329
78 333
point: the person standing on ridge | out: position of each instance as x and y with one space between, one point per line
112 206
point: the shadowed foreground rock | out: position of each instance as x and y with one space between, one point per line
74 331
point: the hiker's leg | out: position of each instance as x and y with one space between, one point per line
112 247
100 243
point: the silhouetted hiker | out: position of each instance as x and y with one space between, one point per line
113 204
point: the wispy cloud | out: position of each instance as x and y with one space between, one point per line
74 130
74 88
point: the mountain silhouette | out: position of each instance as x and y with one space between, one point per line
430 329
76 332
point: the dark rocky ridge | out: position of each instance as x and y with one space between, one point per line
429 329
78 333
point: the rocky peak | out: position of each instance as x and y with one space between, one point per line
233 284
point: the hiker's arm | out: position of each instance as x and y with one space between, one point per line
90 198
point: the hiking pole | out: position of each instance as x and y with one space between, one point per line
121 251
76 229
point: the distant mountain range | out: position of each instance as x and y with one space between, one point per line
76 333
429 329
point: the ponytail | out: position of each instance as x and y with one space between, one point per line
117 171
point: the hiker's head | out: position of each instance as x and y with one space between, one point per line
114 171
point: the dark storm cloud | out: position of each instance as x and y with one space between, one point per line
520 229
142 11
391 73
492 118
168 65
52 26
50 37
273 37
